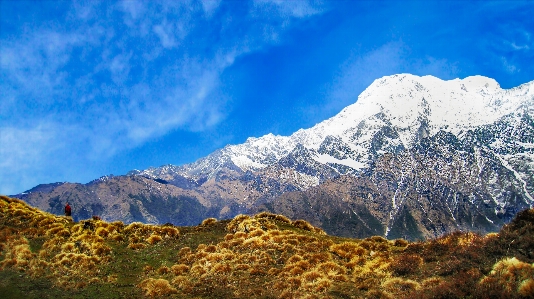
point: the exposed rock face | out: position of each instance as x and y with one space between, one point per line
414 157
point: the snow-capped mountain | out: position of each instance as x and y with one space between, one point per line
400 109
413 157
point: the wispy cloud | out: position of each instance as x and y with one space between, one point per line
297 9
509 40
210 6
117 75
25 153
510 68
93 81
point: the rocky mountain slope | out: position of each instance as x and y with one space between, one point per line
414 157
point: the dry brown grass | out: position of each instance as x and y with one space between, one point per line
348 250
17 254
405 264
267 256
136 246
208 222
513 275
154 239
69 254
156 287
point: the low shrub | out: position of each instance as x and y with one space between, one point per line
208 222
157 287
348 250
153 239
179 269
406 264
303 224
513 276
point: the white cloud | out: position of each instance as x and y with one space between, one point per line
165 32
297 9
24 153
508 45
210 6
135 9
90 87
519 47
33 64
510 68
120 67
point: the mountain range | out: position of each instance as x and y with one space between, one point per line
413 157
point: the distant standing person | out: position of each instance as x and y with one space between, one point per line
68 210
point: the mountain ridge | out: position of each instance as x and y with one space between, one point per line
269 148
422 143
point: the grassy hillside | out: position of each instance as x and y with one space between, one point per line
264 256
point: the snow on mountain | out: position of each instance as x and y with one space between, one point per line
412 157
405 102
391 115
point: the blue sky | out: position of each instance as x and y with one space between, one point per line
93 88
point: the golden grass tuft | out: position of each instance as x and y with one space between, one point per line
89 237
256 233
400 243
197 270
169 231
294 259
526 288
102 232
117 225
405 264
164 270
179 269
303 224
208 222
183 282
234 223
184 251
238 235
398 285
378 294
117 237
221 269
513 275
348 250
331 269
157 287
100 249
242 267
283 218
312 276
58 230
137 228
69 246
321 285
210 248
153 239
136 246
265 215
318 257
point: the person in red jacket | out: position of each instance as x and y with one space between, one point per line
68 210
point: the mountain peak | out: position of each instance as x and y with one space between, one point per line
409 106
413 156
